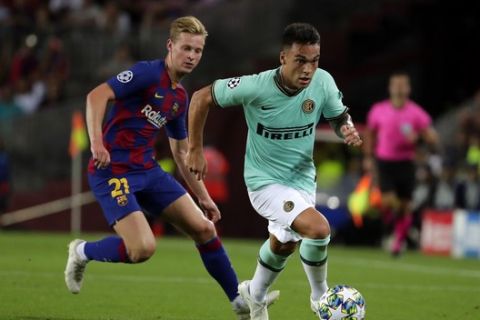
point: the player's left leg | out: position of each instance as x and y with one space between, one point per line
186 216
403 222
315 230
404 186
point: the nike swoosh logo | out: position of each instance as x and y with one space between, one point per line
158 96
267 108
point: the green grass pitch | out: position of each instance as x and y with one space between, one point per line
173 285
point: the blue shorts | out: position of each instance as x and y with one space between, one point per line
119 195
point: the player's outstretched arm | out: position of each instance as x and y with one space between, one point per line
97 100
179 151
200 104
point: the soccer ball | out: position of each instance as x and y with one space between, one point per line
341 302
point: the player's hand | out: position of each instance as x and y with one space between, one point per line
351 136
101 156
210 210
196 163
368 164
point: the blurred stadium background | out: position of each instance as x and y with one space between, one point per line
53 52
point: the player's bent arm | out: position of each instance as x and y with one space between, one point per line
430 136
179 152
97 100
345 129
369 142
201 102
337 123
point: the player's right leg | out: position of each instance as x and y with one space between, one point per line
272 259
135 241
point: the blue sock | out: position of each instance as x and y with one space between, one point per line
218 265
109 249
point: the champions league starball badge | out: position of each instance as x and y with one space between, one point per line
232 83
125 76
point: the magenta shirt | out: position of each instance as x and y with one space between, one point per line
392 125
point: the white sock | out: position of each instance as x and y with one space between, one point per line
261 281
317 277
81 251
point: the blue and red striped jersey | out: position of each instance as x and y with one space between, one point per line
145 101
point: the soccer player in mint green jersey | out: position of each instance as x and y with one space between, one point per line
282 108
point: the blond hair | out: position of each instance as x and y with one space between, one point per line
188 24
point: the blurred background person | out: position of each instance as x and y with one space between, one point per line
114 20
216 178
4 178
394 127
8 108
467 190
121 60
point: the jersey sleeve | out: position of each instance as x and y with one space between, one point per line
139 77
333 106
176 128
423 120
235 91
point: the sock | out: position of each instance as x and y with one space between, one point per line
218 265
313 253
402 226
109 249
268 269
81 250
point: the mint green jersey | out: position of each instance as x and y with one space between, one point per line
281 126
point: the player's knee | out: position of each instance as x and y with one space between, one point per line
142 252
284 249
317 231
204 232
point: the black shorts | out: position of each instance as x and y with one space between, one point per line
397 176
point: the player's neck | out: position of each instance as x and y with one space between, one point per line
175 77
284 85
398 103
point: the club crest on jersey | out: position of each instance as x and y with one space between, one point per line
308 106
175 108
154 117
125 76
288 206
122 200
232 83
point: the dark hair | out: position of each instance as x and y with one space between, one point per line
299 32
399 73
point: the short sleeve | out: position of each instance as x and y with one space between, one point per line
333 106
139 77
176 128
235 91
423 120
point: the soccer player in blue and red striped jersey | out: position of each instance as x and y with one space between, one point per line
125 178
